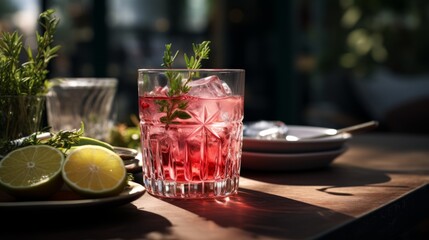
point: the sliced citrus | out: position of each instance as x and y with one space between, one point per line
94 171
32 172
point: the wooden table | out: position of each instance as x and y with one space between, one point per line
377 189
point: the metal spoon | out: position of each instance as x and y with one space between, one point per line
332 132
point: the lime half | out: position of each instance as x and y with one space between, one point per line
32 172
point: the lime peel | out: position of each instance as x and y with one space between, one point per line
92 141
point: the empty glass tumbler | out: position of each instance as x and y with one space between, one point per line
88 100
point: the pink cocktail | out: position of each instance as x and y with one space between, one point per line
196 154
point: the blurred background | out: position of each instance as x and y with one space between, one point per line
326 63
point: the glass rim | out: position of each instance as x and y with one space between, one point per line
193 70
84 81
112 79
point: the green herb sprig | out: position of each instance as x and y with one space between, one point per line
175 108
23 85
64 139
28 78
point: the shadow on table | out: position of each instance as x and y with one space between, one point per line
265 214
70 224
335 176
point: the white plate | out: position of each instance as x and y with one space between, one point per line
284 146
288 161
131 193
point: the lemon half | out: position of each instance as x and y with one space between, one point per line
94 171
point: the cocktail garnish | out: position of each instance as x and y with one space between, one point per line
174 108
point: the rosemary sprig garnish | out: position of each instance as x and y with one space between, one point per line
175 108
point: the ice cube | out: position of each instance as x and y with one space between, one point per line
210 86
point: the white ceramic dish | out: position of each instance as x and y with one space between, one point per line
288 161
307 145
131 193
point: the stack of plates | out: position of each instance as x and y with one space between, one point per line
280 155
130 157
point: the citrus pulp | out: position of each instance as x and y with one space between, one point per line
94 171
32 172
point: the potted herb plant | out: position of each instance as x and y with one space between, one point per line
23 85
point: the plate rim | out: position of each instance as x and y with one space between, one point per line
299 154
131 151
340 137
131 193
290 161
252 144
